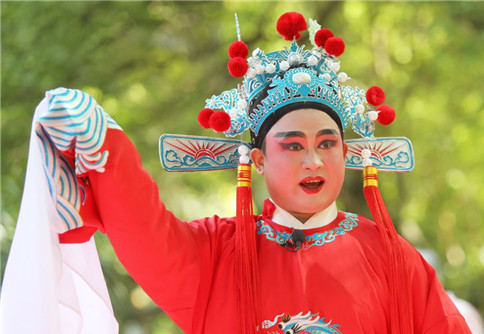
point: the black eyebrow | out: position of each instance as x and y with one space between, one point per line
327 132
289 134
301 134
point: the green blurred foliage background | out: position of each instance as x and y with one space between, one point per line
151 65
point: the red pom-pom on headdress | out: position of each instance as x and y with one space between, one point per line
322 36
220 121
238 49
290 24
204 117
237 66
386 114
335 46
375 96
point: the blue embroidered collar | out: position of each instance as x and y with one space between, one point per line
314 237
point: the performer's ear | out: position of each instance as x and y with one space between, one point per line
345 149
257 157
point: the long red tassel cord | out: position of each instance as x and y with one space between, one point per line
401 316
246 263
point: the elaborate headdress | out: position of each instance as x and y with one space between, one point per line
273 85
275 80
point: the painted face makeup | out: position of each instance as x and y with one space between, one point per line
304 162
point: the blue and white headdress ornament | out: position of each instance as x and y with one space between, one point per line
295 75
281 81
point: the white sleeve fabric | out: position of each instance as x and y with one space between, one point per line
49 287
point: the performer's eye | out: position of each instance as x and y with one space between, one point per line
292 146
327 144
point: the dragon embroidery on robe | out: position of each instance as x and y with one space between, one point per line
308 323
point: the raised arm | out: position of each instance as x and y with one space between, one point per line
171 259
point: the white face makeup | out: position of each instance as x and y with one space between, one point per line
304 162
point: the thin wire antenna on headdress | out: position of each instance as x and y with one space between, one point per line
237 27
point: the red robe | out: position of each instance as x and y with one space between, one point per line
336 284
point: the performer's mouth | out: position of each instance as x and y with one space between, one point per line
312 185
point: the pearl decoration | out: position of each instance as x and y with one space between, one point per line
244 159
250 73
270 68
312 61
367 162
294 59
342 77
243 150
244 154
373 115
334 66
259 69
365 153
284 65
327 77
301 78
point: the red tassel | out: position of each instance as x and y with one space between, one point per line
401 315
246 264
